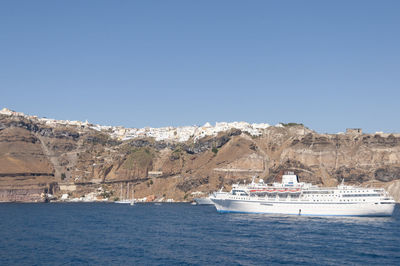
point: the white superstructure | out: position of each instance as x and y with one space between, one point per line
294 197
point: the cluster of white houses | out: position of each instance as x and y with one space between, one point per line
179 134
174 134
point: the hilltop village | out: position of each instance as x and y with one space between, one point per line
179 134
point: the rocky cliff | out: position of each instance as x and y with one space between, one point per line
38 158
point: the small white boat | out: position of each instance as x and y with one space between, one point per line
203 201
127 201
208 200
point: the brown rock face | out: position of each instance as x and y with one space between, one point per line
36 159
25 171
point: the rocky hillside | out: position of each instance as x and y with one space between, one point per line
38 158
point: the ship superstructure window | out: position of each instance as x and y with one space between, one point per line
361 195
310 192
239 192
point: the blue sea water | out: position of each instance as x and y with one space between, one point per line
170 234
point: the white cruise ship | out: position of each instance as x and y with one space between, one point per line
298 198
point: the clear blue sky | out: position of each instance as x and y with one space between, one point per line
327 64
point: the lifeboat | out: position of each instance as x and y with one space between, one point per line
258 190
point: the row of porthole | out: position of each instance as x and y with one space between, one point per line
356 191
340 200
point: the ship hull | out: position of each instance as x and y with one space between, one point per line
304 208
